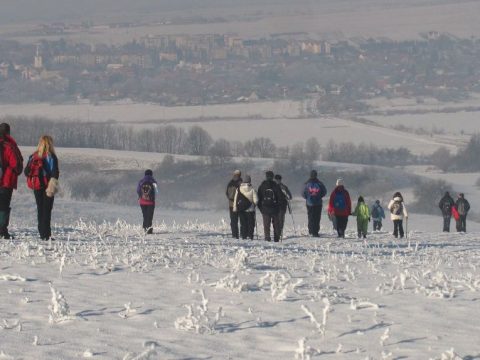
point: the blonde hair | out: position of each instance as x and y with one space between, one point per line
45 145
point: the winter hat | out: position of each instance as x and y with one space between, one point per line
340 182
447 193
237 173
313 174
4 129
360 199
148 172
278 177
461 195
248 179
377 202
269 175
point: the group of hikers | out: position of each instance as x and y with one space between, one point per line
42 173
273 200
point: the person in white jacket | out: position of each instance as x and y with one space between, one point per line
244 203
398 212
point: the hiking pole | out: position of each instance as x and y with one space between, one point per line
406 227
293 220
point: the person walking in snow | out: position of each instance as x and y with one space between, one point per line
341 207
398 212
284 201
42 173
147 189
462 207
244 203
11 166
362 212
377 215
446 204
313 193
232 187
269 195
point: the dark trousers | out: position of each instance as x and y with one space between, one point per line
271 219
281 219
462 223
377 225
314 214
147 212
398 228
44 213
5 200
342 222
446 222
247 224
234 223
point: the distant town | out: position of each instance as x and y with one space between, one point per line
177 70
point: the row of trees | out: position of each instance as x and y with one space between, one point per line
196 141
466 159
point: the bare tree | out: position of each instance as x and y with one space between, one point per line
199 141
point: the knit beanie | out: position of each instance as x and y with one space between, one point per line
313 174
339 182
269 175
248 179
148 172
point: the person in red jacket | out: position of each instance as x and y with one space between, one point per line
11 166
340 206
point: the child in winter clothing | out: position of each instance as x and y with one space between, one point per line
398 212
363 217
147 189
244 204
377 215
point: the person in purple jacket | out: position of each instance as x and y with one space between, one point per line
147 189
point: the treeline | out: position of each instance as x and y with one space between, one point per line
196 141
467 159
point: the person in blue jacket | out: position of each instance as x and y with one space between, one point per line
377 215
313 193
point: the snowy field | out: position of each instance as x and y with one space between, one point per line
188 292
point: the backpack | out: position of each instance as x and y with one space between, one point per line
269 199
339 201
397 208
242 202
314 193
447 207
147 191
34 171
461 208
375 212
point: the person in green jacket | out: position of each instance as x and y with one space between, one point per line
362 212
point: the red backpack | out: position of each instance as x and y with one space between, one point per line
36 178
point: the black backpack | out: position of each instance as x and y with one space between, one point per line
269 198
242 202
447 207
148 191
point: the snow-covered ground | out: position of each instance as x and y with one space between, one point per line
384 299
190 292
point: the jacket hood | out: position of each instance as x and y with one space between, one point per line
149 178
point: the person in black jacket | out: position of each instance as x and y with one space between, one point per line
42 177
445 205
232 187
463 207
284 201
269 197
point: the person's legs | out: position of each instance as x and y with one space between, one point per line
395 228
317 212
463 221
234 223
342 222
40 208
446 223
150 213
5 200
400 228
243 224
310 213
276 227
47 215
250 224
281 220
267 220
144 215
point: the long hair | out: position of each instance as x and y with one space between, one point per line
45 145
